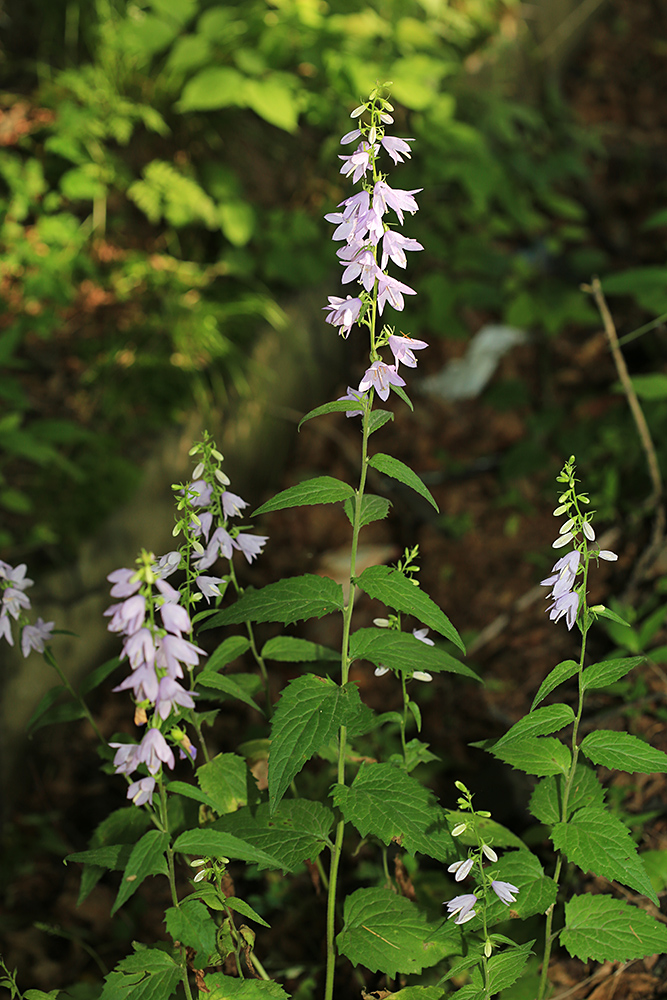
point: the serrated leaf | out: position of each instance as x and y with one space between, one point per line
546 800
599 842
121 827
189 792
599 675
538 755
401 651
225 781
221 987
541 722
229 650
418 993
291 600
387 933
655 863
290 649
372 509
378 419
390 466
147 974
536 890
387 802
113 856
191 924
216 844
308 716
98 675
147 858
490 831
240 906
624 752
606 929
321 489
227 685
337 406
396 591
560 673
505 967
296 831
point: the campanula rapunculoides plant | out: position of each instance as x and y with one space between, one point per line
257 805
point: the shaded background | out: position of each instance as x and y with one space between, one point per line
164 169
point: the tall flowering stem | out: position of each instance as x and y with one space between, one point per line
569 582
365 223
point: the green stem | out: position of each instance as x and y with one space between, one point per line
342 736
253 645
171 874
404 721
51 660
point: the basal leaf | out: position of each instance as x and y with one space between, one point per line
387 933
321 489
396 591
541 722
538 755
546 802
229 650
391 466
401 651
337 406
147 974
146 858
385 801
623 752
191 924
560 673
224 780
290 600
290 649
600 843
372 509
309 714
227 685
217 844
599 675
298 830
606 929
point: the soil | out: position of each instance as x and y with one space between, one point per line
482 558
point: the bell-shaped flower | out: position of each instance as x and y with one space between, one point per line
250 545
140 648
153 751
6 627
504 890
172 651
167 564
402 348
141 791
129 616
568 605
232 504
170 693
464 906
125 759
13 601
380 376
34 636
394 246
396 146
354 396
401 201
392 291
209 586
15 575
461 868
220 543
363 267
142 682
123 584
343 312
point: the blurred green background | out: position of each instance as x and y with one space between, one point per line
164 169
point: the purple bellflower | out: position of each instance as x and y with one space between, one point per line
464 906
380 376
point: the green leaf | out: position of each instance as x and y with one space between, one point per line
650 387
599 842
36 720
540 722
240 906
546 801
378 419
98 675
225 781
385 801
505 967
401 651
655 863
624 752
396 591
337 406
296 831
211 843
321 489
228 651
189 792
147 858
538 755
289 649
228 685
212 88
309 714
122 826
290 600
223 987
560 673
391 466
600 675
387 933
274 99
536 891
148 974
490 831
372 509
112 856
191 924
418 993
606 929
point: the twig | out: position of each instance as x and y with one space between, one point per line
656 497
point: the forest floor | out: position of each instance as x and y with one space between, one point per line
481 559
